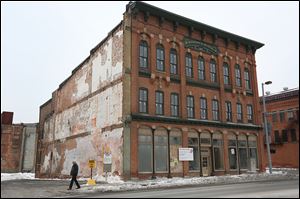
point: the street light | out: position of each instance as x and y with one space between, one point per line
265 126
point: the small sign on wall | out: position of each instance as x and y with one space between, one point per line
186 154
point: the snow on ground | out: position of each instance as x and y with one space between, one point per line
114 183
16 176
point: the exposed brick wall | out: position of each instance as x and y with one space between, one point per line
11 142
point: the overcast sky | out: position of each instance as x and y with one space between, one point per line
42 42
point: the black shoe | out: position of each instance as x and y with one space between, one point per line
78 188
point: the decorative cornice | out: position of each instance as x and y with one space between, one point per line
165 119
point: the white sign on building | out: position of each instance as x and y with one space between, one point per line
186 154
107 158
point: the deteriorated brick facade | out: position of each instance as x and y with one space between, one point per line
99 109
283 119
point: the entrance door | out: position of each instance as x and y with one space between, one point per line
205 167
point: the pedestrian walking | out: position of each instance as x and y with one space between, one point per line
74 173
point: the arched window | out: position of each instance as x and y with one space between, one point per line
173 61
201 68
159 103
238 81
247 79
188 65
203 108
143 57
226 73
143 100
215 109
160 58
213 71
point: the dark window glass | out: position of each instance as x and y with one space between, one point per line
238 76
143 57
293 135
190 107
215 109
226 73
203 108
277 137
247 79
284 136
282 116
290 115
249 113
145 153
173 61
174 105
239 112
160 58
143 101
159 103
228 111
243 158
188 65
161 152
213 71
201 68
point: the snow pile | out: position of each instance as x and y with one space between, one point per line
16 176
114 183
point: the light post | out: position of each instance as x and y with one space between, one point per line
265 126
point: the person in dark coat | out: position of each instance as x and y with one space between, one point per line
74 173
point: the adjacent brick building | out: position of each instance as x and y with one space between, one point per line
18 145
157 83
283 125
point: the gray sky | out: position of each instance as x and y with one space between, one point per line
42 42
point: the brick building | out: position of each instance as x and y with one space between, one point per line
157 83
18 145
283 123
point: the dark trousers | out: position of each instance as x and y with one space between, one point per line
72 181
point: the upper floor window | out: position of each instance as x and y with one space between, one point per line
238 75
173 61
277 137
201 68
293 135
159 103
174 105
226 73
282 116
247 79
143 100
284 136
249 113
203 108
215 109
290 115
143 57
213 71
228 110
274 117
160 58
190 106
239 112
188 65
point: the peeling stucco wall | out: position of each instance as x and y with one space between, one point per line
87 114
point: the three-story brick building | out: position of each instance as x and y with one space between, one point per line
162 82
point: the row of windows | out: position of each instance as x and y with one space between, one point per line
190 107
242 149
285 136
160 66
290 116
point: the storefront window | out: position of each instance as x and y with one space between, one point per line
145 149
243 156
218 151
193 143
161 150
175 144
232 151
253 148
